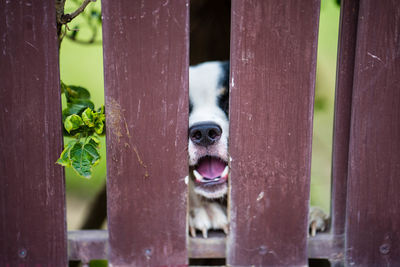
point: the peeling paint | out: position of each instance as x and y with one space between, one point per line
374 57
114 117
260 196
127 129
146 174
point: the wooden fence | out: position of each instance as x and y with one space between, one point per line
273 59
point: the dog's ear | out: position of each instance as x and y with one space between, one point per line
223 91
223 100
190 106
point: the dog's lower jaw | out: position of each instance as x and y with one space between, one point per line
216 191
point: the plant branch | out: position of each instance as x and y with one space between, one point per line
59 9
65 18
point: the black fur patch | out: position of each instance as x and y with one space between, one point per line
190 106
223 99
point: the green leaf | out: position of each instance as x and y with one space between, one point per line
101 117
78 92
65 114
99 124
72 122
89 117
83 102
63 87
83 157
64 157
77 107
73 93
99 127
100 110
94 141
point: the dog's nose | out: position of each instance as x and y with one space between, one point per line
205 133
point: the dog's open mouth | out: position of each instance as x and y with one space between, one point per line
211 171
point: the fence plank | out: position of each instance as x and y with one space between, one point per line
273 60
146 82
343 95
373 218
32 202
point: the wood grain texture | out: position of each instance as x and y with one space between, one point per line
32 201
373 218
273 61
146 82
342 114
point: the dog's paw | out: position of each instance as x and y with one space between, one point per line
206 217
318 220
198 219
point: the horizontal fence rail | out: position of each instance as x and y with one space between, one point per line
89 245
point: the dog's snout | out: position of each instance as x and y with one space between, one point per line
205 133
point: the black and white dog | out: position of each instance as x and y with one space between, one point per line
208 150
208 146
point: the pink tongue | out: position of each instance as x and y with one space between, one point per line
210 167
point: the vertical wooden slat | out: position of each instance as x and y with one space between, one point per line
373 217
273 60
32 202
341 130
146 82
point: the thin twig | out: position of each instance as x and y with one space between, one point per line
68 17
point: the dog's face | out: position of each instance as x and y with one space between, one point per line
209 128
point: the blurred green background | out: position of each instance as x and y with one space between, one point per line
82 64
324 104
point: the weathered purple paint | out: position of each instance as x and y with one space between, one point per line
373 217
343 95
212 247
32 202
273 60
88 245
146 83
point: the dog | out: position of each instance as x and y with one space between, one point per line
208 146
208 151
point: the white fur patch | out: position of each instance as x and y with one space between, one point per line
204 89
